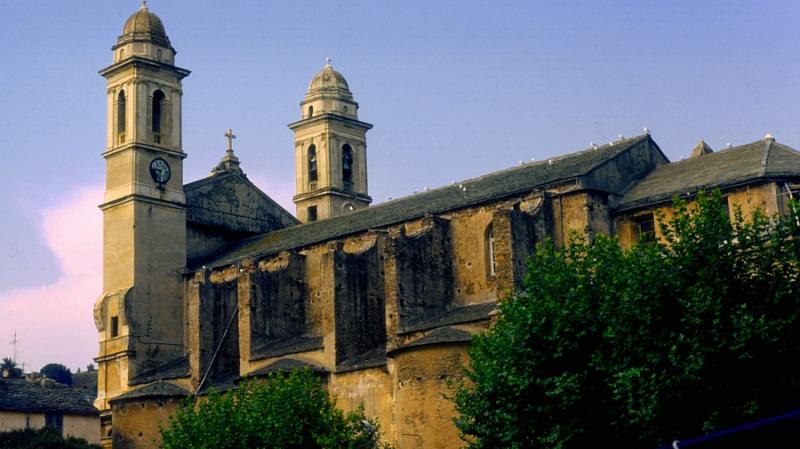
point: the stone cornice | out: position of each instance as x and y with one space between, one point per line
328 116
138 60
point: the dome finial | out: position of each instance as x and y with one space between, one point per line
328 62
144 5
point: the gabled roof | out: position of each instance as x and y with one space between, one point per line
494 186
34 397
201 207
762 159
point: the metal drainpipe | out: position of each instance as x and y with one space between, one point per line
216 351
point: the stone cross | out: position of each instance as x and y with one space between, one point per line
230 137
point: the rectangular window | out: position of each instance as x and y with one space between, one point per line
312 213
56 421
645 226
114 326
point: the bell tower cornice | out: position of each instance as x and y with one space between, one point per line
138 61
327 117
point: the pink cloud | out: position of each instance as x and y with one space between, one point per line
54 321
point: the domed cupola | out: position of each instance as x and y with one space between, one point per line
328 92
328 81
144 35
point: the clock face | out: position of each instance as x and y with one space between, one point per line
159 170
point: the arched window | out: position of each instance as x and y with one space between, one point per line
158 109
312 163
347 167
121 116
491 260
310 111
158 55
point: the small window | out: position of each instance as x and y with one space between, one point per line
347 167
312 213
158 55
726 208
56 421
158 109
312 163
645 227
491 260
122 53
121 106
114 326
310 111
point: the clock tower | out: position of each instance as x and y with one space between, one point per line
139 317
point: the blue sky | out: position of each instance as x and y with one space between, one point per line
455 89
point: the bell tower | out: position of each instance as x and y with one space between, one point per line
330 150
139 317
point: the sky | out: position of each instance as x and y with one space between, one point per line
455 89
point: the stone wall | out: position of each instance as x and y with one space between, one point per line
137 422
359 303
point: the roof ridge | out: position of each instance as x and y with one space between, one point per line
518 168
765 158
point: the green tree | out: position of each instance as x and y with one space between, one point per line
11 366
57 372
635 348
44 438
287 411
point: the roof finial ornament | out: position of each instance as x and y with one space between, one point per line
230 135
229 162
144 5
769 137
328 62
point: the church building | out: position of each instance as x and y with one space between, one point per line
210 282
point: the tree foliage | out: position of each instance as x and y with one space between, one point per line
287 411
11 366
635 348
57 372
44 438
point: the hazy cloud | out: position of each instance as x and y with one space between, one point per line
53 321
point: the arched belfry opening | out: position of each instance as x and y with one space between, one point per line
347 167
121 119
158 115
312 165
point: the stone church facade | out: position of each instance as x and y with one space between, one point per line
210 282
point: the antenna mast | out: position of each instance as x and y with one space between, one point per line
13 344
